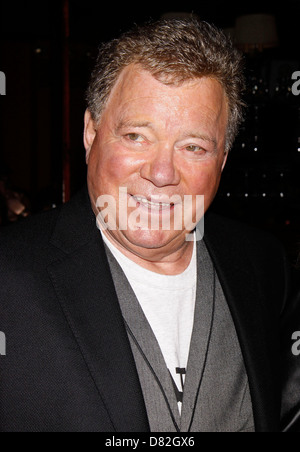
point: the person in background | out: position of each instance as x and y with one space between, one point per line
14 204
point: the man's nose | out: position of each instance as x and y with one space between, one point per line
161 169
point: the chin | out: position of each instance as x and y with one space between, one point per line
150 239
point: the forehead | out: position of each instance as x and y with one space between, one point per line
138 92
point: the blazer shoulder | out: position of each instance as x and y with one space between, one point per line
32 229
26 243
238 235
42 238
253 254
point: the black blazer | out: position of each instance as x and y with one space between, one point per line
68 364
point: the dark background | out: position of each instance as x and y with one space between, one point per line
259 187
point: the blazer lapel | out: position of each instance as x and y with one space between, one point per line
203 322
239 282
85 289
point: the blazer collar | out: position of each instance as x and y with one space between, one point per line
85 289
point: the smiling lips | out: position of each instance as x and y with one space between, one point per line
152 205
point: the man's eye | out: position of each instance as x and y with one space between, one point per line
194 148
135 137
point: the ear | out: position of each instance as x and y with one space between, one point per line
89 133
225 159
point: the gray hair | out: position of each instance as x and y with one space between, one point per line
173 51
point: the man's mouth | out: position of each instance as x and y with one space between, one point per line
152 205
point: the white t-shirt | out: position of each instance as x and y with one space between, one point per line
168 303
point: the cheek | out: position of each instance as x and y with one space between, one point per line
121 165
203 178
110 166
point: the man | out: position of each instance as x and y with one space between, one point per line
142 326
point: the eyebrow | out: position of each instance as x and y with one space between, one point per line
136 124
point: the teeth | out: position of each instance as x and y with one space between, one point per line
147 203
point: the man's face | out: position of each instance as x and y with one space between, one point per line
156 142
